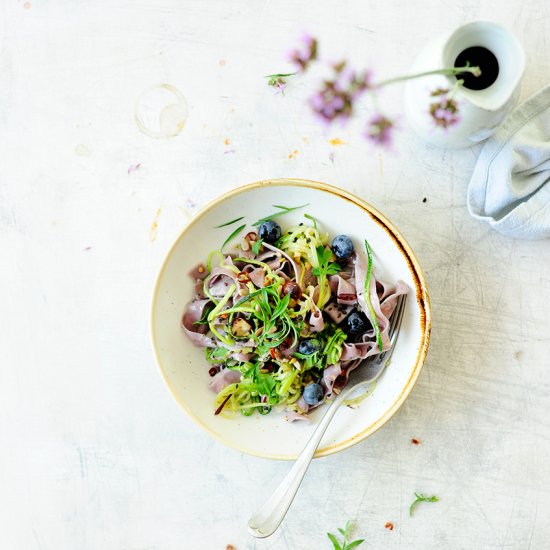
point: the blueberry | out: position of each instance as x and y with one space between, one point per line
269 231
357 323
313 393
342 246
307 347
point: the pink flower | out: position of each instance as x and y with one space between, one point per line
444 111
305 53
330 103
379 130
336 97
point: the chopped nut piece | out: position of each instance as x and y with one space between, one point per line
292 288
243 277
415 441
240 328
389 525
244 245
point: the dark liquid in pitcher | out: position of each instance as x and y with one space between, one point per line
477 56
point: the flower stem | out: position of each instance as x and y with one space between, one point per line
476 71
458 84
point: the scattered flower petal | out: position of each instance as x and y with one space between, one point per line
293 154
134 167
154 227
336 141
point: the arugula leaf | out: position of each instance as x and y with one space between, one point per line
256 246
233 235
284 210
421 498
326 267
230 223
374 320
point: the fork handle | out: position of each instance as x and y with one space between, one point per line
266 520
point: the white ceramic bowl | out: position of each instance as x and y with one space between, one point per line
184 368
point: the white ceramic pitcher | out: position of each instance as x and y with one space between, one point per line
480 111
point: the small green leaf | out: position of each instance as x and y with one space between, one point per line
284 210
373 319
421 498
281 307
256 246
273 79
354 544
279 75
349 525
334 541
312 219
333 268
204 317
230 223
233 235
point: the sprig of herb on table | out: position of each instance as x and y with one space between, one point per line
278 80
373 319
324 268
421 498
346 533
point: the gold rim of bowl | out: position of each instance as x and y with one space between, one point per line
422 298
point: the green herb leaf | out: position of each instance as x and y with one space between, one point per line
354 544
333 268
256 246
373 319
204 317
230 223
312 219
334 541
325 267
233 235
421 498
219 352
284 210
281 307
344 545
274 79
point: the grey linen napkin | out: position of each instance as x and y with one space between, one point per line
510 186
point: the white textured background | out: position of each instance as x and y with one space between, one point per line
94 452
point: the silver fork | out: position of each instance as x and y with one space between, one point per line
268 518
